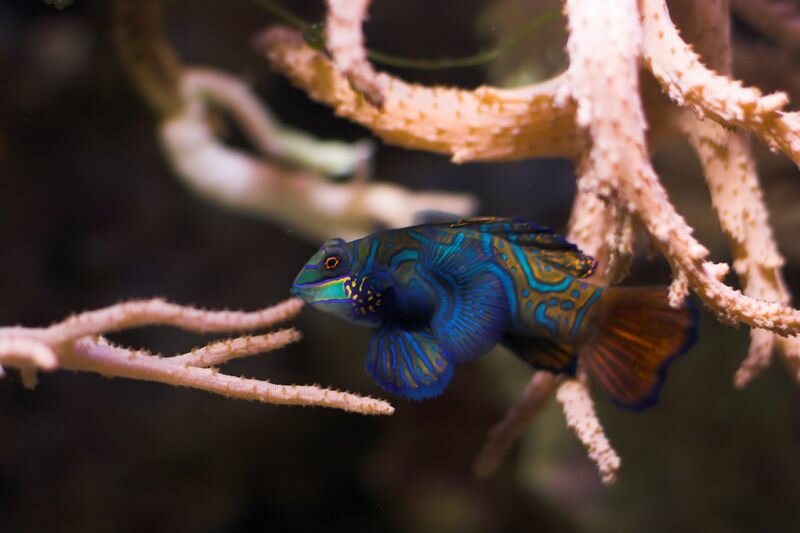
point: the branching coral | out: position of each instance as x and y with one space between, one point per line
601 113
291 184
486 124
595 113
76 344
291 181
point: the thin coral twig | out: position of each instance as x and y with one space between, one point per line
218 353
344 39
74 344
499 440
580 415
97 355
140 313
730 172
687 81
302 198
231 95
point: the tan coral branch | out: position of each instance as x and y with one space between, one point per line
623 166
221 352
603 75
97 355
145 53
731 175
486 123
501 437
593 225
74 345
231 95
304 200
344 39
138 313
689 82
580 415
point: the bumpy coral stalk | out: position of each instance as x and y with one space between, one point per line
303 200
218 353
485 124
624 168
344 39
735 192
595 229
684 77
74 344
580 415
732 179
603 73
502 436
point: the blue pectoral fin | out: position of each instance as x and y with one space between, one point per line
408 362
471 311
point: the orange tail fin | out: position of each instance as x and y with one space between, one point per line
637 337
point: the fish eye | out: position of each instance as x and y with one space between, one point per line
332 261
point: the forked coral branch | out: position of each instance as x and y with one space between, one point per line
76 344
300 198
291 182
594 113
690 83
417 120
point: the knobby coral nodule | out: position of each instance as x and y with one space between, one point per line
633 80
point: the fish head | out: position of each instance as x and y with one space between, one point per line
326 279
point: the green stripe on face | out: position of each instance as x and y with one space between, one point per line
330 291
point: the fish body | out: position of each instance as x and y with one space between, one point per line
444 294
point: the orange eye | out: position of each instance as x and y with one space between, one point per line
332 262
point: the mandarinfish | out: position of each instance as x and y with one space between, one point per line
444 294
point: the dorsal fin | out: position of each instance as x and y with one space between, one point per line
556 249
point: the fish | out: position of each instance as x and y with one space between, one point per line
446 293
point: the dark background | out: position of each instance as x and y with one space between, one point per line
90 215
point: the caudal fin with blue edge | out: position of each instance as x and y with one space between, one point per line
637 337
